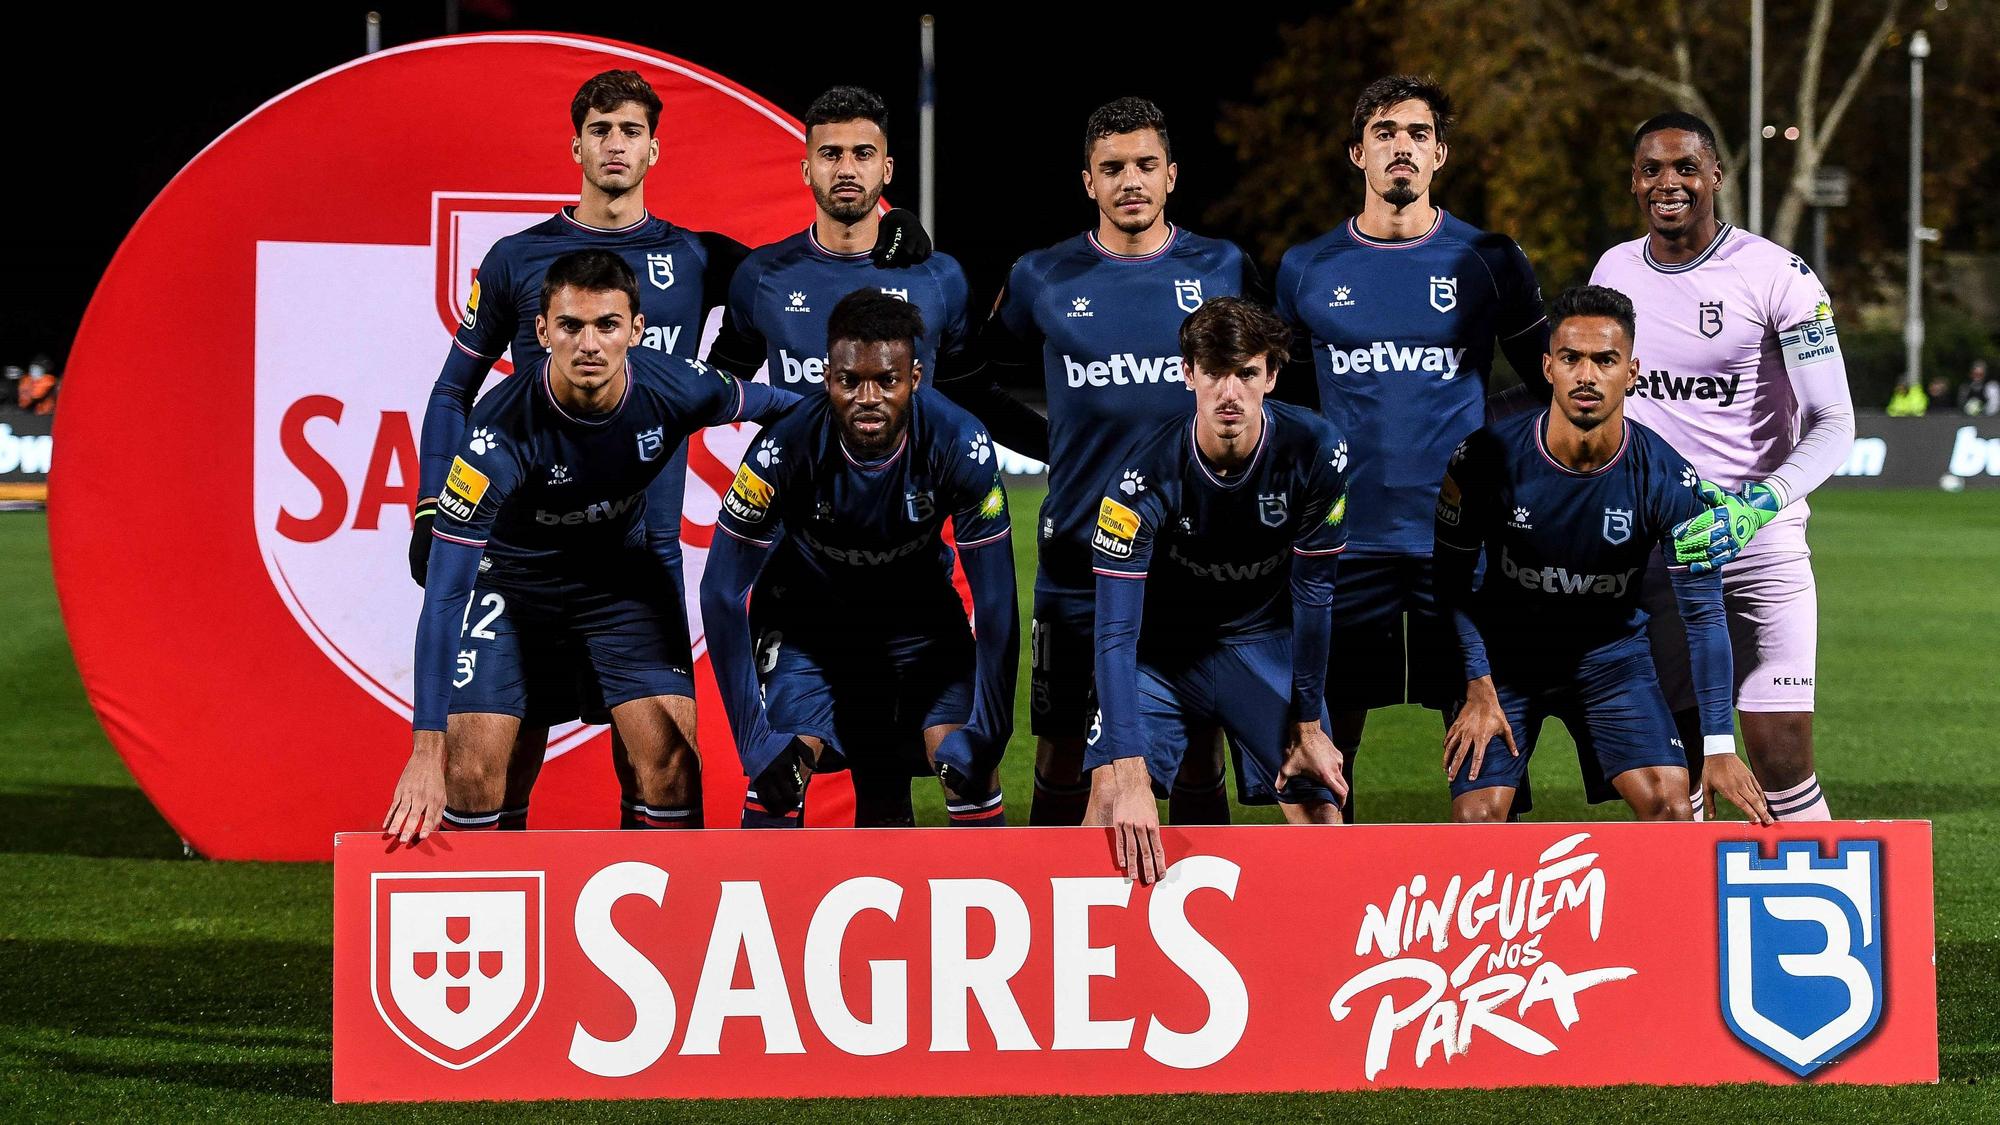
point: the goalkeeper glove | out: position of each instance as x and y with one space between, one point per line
900 241
420 543
1715 537
782 786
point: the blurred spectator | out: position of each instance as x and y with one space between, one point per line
1979 395
1939 390
37 394
10 395
1908 401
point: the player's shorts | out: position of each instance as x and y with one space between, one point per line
1611 704
1390 643
870 703
1772 606
547 652
1062 661
1246 689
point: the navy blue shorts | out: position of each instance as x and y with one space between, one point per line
1390 643
547 652
870 702
1062 661
1246 689
1612 706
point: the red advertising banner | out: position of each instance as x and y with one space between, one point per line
949 962
284 432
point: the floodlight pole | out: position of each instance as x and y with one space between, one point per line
374 40
1913 321
927 129
1754 214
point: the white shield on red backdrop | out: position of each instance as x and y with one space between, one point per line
457 959
230 515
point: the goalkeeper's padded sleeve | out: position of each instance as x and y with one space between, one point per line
444 416
1709 659
996 627
454 567
1312 632
1826 428
733 566
1121 607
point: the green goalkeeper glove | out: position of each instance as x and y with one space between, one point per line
1716 536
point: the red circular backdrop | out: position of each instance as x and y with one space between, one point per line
230 508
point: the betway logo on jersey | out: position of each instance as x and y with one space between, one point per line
1559 580
1122 370
602 511
1720 389
1388 355
1227 571
861 556
801 370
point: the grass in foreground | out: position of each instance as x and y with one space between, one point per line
139 985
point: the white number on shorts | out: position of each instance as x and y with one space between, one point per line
1096 728
480 632
466 659
767 651
1038 646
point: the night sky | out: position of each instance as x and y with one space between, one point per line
100 117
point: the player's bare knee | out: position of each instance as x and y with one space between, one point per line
1487 806
1667 803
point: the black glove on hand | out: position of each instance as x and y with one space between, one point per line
420 543
901 241
782 785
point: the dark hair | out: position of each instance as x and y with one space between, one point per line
1675 119
1125 115
872 316
606 92
1229 331
848 103
1385 92
1593 300
592 271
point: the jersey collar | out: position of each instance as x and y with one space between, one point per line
812 237
1646 251
876 467
1173 236
1354 232
549 391
1249 467
1542 447
568 214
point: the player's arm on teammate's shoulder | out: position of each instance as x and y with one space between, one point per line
1459 529
1521 329
1005 346
484 332
982 526
740 347
1121 786
1298 381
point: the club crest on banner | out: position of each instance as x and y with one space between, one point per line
457 959
1800 948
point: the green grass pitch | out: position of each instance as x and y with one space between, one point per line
138 985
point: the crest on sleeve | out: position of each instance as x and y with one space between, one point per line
749 497
1117 527
464 488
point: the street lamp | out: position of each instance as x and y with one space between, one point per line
1913 321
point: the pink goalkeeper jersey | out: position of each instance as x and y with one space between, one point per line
1715 334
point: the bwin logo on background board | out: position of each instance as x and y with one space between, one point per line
1800 948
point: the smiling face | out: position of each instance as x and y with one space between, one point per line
1591 366
1675 179
870 383
1400 152
1130 177
616 148
587 332
847 165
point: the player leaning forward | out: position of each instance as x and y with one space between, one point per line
539 557
1740 370
1215 555
1567 504
865 658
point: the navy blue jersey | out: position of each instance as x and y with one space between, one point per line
682 275
1565 551
1108 329
861 547
548 491
1402 339
1216 551
784 292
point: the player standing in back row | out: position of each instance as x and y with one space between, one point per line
1104 312
1404 304
1739 368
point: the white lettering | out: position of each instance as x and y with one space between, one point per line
889 981
652 999
1205 965
1076 961
742 923
957 979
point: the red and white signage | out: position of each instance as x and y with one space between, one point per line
956 962
230 514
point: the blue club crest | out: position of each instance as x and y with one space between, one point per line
1800 948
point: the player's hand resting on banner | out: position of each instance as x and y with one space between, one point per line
1479 721
418 806
1310 753
420 543
900 241
1121 799
1727 776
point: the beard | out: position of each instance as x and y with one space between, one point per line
846 211
1400 194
